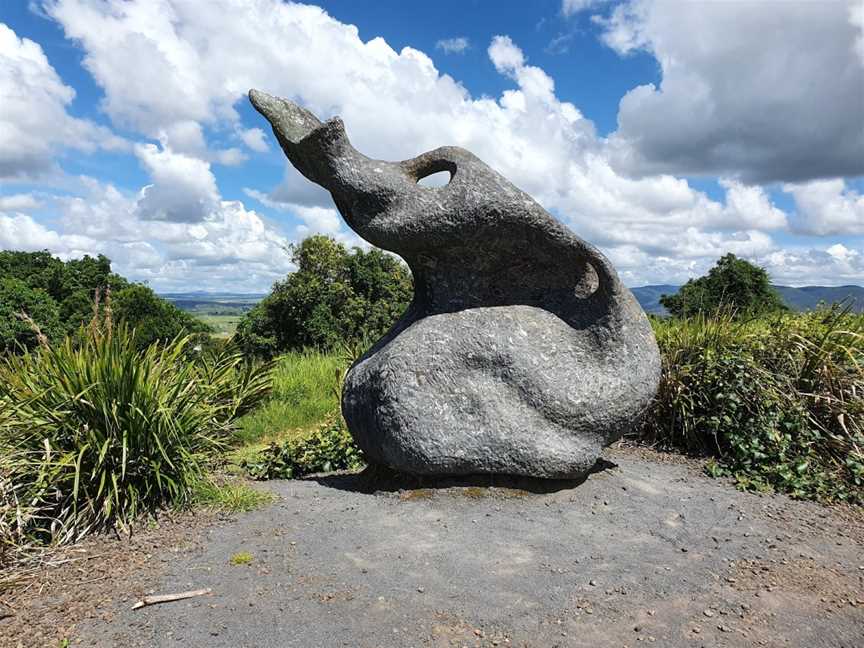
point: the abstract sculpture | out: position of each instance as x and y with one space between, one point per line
521 353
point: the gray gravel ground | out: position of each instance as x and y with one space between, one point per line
645 552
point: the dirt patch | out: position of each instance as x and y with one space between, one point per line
633 449
90 580
647 550
468 492
803 576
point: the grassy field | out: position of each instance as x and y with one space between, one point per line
223 325
222 312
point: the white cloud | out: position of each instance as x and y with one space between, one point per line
504 54
396 105
255 139
453 45
761 90
827 207
187 137
230 247
34 122
315 219
793 266
749 206
19 202
230 157
834 265
21 232
183 190
573 7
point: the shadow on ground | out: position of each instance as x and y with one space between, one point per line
377 479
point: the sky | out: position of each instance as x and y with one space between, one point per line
665 132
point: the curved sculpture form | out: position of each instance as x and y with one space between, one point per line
521 353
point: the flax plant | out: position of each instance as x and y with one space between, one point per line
94 431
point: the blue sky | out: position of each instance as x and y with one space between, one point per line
665 133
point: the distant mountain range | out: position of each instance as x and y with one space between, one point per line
799 299
201 302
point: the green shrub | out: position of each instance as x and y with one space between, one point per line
735 284
18 299
70 285
330 447
154 319
95 432
234 385
59 297
777 400
336 295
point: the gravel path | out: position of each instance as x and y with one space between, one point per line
648 551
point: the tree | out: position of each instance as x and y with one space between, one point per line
59 297
335 295
71 285
732 283
39 270
18 298
153 318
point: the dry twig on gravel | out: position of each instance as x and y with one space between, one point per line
167 598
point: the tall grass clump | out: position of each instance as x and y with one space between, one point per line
306 389
778 400
95 431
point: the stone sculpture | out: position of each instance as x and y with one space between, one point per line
521 353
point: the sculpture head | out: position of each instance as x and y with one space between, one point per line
381 200
364 190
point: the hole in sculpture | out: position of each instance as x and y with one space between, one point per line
439 179
587 283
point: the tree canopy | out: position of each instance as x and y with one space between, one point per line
59 296
733 283
336 295
17 298
153 318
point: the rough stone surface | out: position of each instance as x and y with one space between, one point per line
522 353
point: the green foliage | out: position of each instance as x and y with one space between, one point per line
778 400
336 295
305 390
59 297
94 432
330 447
231 496
242 558
71 284
16 299
154 319
733 284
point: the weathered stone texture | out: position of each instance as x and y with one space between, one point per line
522 353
